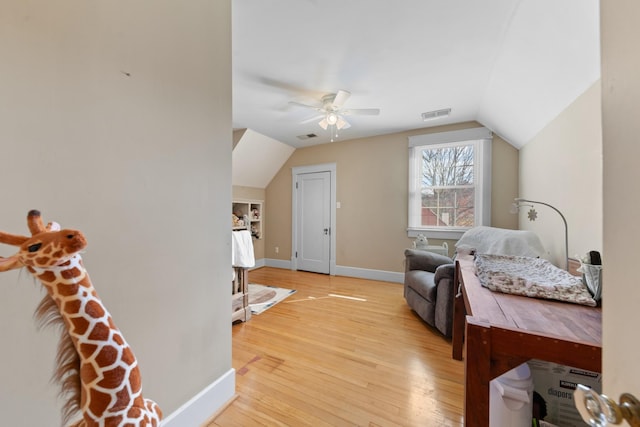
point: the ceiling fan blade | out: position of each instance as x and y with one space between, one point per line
299 104
312 119
361 112
340 98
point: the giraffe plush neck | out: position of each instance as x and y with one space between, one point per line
96 366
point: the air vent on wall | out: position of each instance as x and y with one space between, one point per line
436 114
307 136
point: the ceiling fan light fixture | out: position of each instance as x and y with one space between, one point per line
436 114
331 112
341 123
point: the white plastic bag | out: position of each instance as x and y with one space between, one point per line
592 277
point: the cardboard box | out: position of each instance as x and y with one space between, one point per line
556 383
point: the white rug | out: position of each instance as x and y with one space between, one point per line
263 297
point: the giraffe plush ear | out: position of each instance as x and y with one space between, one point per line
12 239
53 226
10 263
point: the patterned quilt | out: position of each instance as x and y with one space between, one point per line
531 277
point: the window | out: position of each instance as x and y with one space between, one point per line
449 182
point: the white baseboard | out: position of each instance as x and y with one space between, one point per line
204 404
278 263
361 273
259 263
366 273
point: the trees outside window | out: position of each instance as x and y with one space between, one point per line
447 186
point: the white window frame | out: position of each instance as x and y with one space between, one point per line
481 138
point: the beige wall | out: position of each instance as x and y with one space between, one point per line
116 120
562 166
621 127
372 180
251 193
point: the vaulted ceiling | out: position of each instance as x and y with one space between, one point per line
512 65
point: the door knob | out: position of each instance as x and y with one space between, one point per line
326 231
598 410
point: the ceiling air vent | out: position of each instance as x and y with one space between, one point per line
307 136
436 114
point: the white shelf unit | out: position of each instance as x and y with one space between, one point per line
247 215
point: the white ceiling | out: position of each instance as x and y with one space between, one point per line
512 65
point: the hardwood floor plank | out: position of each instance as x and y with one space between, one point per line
341 352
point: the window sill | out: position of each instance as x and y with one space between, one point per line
436 234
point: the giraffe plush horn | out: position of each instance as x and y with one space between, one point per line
34 221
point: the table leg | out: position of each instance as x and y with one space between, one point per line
457 340
477 374
459 313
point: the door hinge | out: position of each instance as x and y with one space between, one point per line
296 185
296 254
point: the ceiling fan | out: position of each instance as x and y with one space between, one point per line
332 114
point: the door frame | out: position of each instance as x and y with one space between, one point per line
298 170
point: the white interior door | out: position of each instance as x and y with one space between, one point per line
313 213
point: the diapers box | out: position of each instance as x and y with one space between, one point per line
555 383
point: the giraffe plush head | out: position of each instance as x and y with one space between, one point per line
48 247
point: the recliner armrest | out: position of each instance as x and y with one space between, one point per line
423 260
446 271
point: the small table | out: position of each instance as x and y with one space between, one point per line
498 332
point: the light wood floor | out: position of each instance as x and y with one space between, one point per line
320 360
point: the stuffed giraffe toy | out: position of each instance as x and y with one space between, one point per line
96 368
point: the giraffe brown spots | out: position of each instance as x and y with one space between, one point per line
127 356
47 276
112 378
71 273
83 394
43 260
88 373
94 309
58 254
100 333
135 382
47 250
72 307
113 421
98 401
122 397
80 325
134 413
118 339
87 349
107 356
65 290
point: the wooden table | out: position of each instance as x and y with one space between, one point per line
497 332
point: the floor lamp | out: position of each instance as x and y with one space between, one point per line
532 215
